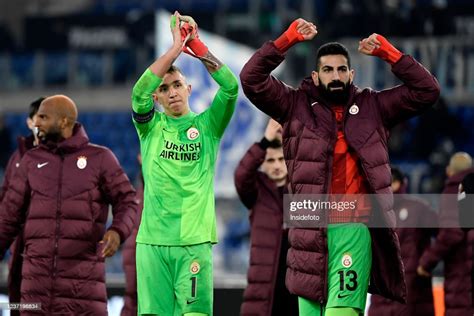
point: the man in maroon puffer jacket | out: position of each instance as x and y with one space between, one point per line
262 193
335 141
452 244
68 184
416 224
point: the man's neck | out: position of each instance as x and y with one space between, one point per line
280 183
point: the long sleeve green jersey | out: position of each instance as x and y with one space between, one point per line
178 163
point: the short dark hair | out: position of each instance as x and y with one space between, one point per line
332 48
275 144
174 68
34 106
397 175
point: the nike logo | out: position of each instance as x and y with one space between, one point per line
190 302
342 296
41 165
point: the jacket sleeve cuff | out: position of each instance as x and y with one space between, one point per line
122 235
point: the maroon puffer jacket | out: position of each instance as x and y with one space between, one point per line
69 185
416 223
24 144
16 260
309 134
262 197
454 247
129 261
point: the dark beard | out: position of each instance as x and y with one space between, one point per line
336 97
53 136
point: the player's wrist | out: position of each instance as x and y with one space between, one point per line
387 51
198 47
289 38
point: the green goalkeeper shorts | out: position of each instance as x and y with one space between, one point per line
349 265
174 280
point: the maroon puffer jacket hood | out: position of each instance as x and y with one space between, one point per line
309 132
68 187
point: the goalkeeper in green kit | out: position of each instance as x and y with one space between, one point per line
179 151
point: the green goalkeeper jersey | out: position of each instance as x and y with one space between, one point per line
178 163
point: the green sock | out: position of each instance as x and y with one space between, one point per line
309 308
342 311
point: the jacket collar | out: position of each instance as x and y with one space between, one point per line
78 140
25 144
307 85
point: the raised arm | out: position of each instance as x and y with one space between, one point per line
419 90
246 173
142 93
223 104
266 92
195 47
245 176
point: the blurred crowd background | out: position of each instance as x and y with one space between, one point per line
94 51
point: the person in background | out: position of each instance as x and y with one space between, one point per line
416 224
260 180
24 144
466 216
452 244
16 260
5 144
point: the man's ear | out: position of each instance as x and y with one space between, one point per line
315 77
155 97
189 89
64 122
351 75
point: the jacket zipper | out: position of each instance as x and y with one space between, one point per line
56 234
326 186
330 149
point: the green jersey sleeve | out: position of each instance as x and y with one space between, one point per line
223 104
143 109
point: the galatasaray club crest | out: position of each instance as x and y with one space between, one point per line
354 109
403 215
81 162
194 267
346 261
192 133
